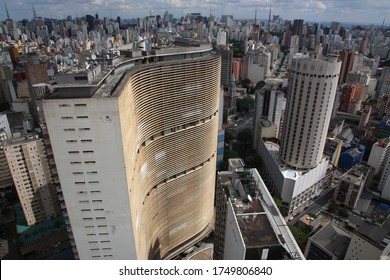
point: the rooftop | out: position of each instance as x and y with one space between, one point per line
107 83
333 239
259 220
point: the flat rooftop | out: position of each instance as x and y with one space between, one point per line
333 239
259 220
109 83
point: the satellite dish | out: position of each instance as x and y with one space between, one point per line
93 56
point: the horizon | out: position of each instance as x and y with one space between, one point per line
310 11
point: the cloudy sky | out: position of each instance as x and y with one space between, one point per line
358 11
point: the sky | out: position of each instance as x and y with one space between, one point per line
352 11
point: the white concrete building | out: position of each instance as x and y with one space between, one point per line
136 154
296 188
249 225
308 110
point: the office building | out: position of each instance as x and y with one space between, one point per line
135 150
29 168
379 154
308 110
269 108
249 225
347 57
347 95
296 169
349 186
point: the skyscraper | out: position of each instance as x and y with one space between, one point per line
31 175
308 110
136 153
347 58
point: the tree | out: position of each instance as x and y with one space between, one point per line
260 85
229 136
245 104
332 207
343 213
230 154
245 137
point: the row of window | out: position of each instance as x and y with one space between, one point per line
84 152
71 118
86 162
76 105
80 129
82 141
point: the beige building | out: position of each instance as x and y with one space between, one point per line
349 186
136 154
29 167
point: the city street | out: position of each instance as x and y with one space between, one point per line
318 205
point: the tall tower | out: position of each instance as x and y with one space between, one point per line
32 178
308 110
6 10
347 58
136 156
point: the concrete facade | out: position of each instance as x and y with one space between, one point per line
137 158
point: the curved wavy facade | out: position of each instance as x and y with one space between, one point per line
160 140
173 110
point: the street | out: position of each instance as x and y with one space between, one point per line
318 205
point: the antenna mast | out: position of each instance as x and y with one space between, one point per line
6 9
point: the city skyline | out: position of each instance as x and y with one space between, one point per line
346 11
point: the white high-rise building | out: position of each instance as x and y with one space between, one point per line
221 38
308 110
136 153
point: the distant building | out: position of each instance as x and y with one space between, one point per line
270 104
349 186
328 243
346 96
249 225
347 57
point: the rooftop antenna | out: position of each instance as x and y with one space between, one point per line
256 16
6 9
269 17
110 13
34 12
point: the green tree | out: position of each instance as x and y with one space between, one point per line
245 104
230 154
229 136
245 138
332 208
260 85
343 213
